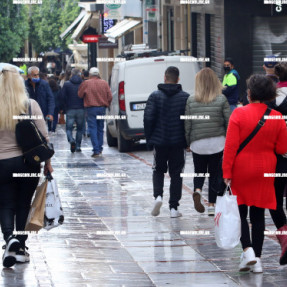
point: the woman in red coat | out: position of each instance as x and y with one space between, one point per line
248 171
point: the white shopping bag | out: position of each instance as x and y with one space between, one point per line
53 209
227 220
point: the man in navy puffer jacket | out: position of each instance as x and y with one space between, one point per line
164 130
74 109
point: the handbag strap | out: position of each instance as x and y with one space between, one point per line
260 124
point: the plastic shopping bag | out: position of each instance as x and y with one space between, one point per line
53 208
227 220
35 220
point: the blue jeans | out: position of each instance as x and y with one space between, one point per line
78 116
52 126
96 127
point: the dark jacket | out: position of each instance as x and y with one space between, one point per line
58 99
231 91
162 123
70 93
43 95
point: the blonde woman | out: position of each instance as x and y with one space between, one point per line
205 133
15 192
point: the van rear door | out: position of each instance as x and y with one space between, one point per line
140 81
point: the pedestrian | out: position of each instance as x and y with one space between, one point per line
56 90
164 131
97 97
247 172
39 90
230 81
75 111
269 68
85 76
61 79
205 134
16 192
278 215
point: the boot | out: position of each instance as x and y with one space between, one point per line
283 242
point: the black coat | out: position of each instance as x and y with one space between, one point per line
162 123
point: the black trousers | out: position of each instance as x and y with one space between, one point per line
258 226
173 160
210 163
15 195
278 215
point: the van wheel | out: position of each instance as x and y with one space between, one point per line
123 144
111 140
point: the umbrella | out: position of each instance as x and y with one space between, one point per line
51 53
2 65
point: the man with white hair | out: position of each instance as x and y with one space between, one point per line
97 97
40 91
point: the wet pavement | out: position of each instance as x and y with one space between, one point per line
109 237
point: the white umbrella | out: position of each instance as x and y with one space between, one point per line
2 65
51 53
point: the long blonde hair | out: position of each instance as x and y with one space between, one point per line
207 86
13 97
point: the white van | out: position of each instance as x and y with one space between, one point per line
131 84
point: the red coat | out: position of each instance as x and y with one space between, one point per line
258 157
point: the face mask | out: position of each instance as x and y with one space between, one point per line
227 69
35 80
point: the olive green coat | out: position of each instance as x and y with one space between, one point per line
216 116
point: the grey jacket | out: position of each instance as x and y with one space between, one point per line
216 116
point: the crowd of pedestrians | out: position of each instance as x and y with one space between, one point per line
226 144
212 133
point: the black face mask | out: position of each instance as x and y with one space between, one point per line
227 69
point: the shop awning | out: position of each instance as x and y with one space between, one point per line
122 28
81 27
73 25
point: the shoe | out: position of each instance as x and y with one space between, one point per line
73 147
257 267
283 242
157 205
95 155
22 256
199 207
211 210
247 259
78 150
175 213
11 248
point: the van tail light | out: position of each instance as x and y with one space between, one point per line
122 102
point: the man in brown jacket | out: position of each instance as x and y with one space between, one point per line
97 97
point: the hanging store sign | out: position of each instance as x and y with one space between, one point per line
91 38
113 11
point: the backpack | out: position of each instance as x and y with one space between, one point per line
34 146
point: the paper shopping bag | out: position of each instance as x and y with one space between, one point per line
35 220
227 221
53 208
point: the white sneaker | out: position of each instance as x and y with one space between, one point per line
211 210
257 267
247 259
22 256
157 205
11 248
175 213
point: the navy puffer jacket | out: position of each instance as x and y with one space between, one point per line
162 124
70 93
43 95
